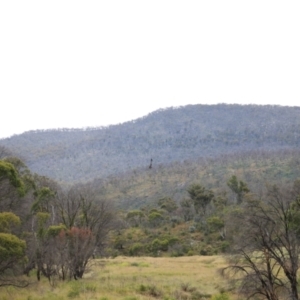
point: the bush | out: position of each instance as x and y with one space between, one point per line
136 249
207 250
173 240
159 245
155 218
142 288
224 246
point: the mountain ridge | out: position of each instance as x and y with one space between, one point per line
166 135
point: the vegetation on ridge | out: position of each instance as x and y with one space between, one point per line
243 203
167 136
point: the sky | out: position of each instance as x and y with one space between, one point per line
75 64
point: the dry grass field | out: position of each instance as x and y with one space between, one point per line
135 278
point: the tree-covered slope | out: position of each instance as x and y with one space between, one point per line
166 136
144 187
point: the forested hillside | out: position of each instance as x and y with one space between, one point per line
180 182
144 187
166 136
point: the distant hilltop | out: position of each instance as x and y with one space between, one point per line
166 136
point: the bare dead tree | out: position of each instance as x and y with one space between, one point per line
88 221
267 246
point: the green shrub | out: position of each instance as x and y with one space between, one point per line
136 249
159 245
155 218
55 230
142 288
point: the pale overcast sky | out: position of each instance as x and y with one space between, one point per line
92 63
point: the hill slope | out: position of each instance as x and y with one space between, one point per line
140 188
167 136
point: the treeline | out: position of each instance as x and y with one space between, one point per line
144 186
166 136
44 227
57 231
195 225
258 232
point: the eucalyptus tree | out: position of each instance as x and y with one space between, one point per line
12 251
238 187
12 247
200 197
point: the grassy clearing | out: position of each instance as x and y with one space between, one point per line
135 278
